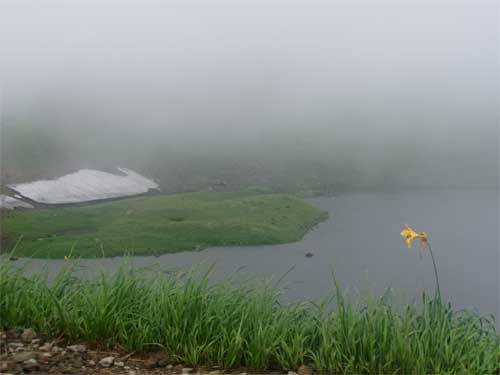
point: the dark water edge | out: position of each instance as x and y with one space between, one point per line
361 241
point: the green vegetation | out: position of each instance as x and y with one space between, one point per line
159 224
244 325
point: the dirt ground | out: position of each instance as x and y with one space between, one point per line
26 352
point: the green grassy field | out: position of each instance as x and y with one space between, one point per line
159 224
234 325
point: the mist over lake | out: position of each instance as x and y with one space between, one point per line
288 96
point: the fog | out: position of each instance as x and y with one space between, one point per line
283 95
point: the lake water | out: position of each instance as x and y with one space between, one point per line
361 241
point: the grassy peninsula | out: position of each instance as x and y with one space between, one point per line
159 224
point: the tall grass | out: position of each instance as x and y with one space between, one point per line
220 324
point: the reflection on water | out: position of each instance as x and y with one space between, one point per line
361 242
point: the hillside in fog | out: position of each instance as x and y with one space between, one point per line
319 96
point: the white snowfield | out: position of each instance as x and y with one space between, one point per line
85 185
9 203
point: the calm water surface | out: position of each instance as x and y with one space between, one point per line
361 241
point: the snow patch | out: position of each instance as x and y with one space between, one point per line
85 185
9 203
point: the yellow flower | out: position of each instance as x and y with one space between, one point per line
65 258
412 235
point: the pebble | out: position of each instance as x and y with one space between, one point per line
91 363
151 363
11 334
22 356
107 361
304 370
77 348
47 347
45 356
28 335
119 364
30 364
15 345
162 362
187 370
7 365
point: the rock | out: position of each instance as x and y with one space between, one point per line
169 367
7 365
22 356
187 370
47 347
68 370
91 363
11 334
56 349
162 362
216 372
45 356
154 360
77 348
107 361
28 335
308 254
15 345
119 364
304 370
35 341
30 365
151 362
76 362
132 372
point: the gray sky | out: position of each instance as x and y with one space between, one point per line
361 73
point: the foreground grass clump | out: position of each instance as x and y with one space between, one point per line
199 323
160 224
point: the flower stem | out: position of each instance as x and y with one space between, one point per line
435 270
